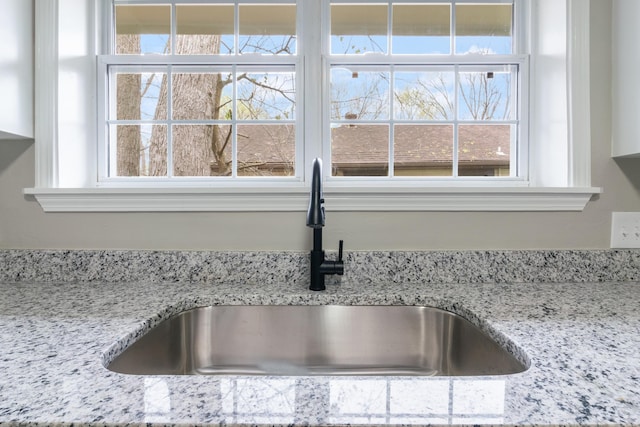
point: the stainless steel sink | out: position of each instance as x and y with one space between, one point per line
316 340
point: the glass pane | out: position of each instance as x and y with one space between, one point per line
423 150
156 146
421 28
267 29
204 29
426 95
266 96
484 150
266 150
201 150
484 28
138 150
141 96
202 96
360 150
143 29
129 159
359 94
358 28
128 96
486 93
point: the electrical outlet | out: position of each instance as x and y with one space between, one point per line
625 230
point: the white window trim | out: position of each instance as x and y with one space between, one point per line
82 196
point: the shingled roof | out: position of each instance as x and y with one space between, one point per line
365 145
423 145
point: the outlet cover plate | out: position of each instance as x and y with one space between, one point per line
625 229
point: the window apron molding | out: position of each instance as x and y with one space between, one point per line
297 199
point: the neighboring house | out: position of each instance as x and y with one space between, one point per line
363 150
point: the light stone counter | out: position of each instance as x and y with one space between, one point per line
582 339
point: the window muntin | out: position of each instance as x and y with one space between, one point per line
422 27
415 109
207 106
447 121
205 29
367 123
181 127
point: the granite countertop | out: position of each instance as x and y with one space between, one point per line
583 341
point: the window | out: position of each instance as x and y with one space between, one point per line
201 90
427 90
413 62
416 90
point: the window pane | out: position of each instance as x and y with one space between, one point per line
204 29
359 94
143 29
138 150
423 150
360 150
128 97
201 150
486 93
358 28
421 28
141 96
426 95
484 150
266 150
267 29
202 96
129 157
266 96
484 28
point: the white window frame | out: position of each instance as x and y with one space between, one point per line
66 175
232 62
519 148
193 63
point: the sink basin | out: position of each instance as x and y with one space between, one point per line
316 340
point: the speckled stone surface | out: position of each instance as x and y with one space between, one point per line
582 339
547 266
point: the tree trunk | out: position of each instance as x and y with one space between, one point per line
197 150
128 108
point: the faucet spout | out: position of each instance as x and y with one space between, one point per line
315 213
315 219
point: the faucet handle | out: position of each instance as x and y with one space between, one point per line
338 265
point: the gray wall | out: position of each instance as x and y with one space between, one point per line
24 225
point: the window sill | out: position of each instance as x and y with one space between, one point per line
296 199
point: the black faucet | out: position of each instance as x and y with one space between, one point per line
315 219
